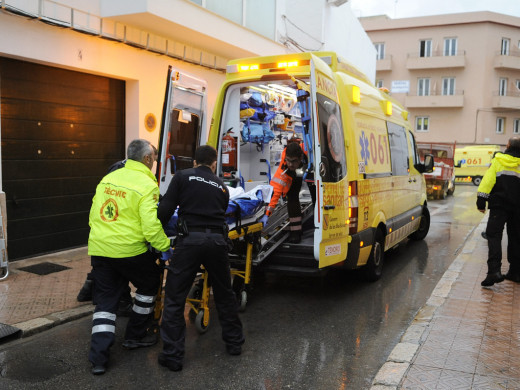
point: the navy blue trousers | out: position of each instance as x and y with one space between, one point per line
210 250
112 276
494 231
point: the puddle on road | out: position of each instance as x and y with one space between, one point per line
31 368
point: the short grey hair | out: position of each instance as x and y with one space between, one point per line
138 149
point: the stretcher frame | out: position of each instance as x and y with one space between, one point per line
198 298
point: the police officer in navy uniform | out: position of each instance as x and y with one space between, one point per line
202 199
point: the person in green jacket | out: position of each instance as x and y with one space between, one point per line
123 223
500 188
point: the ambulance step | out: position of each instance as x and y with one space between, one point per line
298 255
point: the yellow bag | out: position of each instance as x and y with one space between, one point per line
246 113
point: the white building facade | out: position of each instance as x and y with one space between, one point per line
78 79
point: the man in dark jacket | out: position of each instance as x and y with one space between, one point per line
500 188
202 199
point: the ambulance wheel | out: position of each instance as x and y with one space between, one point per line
374 266
476 180
424 226
199 322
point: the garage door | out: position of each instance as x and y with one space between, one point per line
60 132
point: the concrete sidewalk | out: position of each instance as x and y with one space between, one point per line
465 337
41 292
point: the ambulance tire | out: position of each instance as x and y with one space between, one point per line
199 322
424 226
476 180
374 266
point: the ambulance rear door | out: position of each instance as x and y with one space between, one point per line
183 125
331 211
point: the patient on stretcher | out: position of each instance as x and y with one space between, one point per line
244 207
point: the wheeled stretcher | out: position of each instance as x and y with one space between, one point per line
244 210
198 298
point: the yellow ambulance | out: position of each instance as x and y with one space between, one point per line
361 158
472 162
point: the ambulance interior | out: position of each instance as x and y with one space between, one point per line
258 120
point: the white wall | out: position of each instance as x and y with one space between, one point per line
344 34
144 72
331 28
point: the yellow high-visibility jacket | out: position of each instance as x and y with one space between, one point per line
123 217
500 186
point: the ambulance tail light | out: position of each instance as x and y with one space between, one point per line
352 207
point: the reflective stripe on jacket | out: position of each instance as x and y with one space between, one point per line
123 217
500 185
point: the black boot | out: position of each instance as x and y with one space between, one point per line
85 294
513 276
492 278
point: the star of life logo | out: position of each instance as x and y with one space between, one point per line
109 211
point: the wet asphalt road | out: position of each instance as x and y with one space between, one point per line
333 332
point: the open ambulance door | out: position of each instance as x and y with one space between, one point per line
183 121
331 211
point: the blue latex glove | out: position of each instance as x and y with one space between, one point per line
264 220
165 256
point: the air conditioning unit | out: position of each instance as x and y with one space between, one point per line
336 3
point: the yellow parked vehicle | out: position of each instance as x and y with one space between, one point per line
471 162
361 156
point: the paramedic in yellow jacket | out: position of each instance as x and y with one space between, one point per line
500 188
286 182
123 221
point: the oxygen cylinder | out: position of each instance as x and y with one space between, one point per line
229 153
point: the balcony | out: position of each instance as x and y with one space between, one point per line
510 61
384 64
434 101
511 100
436 61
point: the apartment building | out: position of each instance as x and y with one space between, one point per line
80 79
458 74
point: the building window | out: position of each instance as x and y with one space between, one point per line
423 87
380 49
231 10
450 46
448 85
425 49
516 126
252 14
504 49
500 124
260 16
421 123
502 87
517 84
379 83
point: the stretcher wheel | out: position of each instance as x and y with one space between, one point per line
199 322
242 300
195 292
